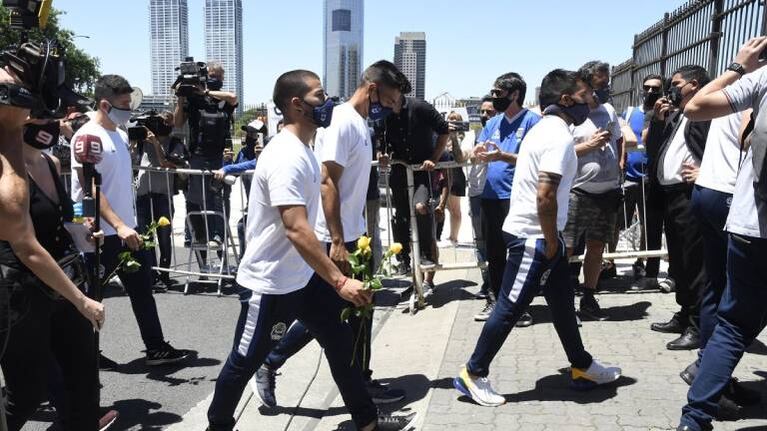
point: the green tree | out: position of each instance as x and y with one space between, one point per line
82 70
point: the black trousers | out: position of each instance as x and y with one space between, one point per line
494 212
46 333
685 248
401 218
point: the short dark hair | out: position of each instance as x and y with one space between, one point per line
588 70
555 84
487 98
109 86
512 82
694 72
291 84
385 73
652 76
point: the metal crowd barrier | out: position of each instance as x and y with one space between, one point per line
193 265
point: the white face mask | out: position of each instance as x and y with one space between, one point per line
119 116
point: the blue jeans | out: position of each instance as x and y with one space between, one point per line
527 272
263 322
138 285
298 335
712 208
741 317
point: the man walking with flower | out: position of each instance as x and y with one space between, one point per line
344 151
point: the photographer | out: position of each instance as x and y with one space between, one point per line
210 112
155 191
112 98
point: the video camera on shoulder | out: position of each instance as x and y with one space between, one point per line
40 66
148 120
192 75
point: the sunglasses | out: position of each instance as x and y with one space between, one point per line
650 88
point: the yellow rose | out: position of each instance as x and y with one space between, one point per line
395 248
163 222
363 242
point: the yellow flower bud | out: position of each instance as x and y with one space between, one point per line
395 248
363 242
163 222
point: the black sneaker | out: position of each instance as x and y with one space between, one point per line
395 423
608 271
639 270
381 394
265 384
403 270
107 364
165 355
590 308
525 320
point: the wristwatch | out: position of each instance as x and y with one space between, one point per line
737 68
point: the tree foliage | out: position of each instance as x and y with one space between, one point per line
82 70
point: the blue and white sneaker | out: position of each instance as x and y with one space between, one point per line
478 389
597 374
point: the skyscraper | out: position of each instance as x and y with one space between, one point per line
410 58
344 29
223 42
169 42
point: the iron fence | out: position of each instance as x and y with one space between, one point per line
703 32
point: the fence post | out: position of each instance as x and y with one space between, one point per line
634 97
764 17
716 34
664 46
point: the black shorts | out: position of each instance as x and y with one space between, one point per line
458 187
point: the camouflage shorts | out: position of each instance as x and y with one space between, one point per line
592 216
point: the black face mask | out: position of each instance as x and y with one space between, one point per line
675 95
650 97
483 120
215 84
42 136
501 104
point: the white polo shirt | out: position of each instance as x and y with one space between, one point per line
674 156
548 147
719 167
747 215
116 172
287 174
347 143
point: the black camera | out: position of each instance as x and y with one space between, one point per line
40 67
460 126
191 76
148 120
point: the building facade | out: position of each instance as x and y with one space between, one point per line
343 42
410 58
168 42
223 42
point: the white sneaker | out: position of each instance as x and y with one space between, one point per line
667 285
597 374
478 389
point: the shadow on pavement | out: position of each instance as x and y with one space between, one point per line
757 348
163 373
624 313
145 414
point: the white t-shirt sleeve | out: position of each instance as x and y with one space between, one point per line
286 184
555 158
336 142
747 92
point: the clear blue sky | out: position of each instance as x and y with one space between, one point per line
469 43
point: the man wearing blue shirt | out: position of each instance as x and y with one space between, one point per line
498 146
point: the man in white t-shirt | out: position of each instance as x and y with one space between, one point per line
675 147
742 313
344 149
113 96
595 197
285 270
546 168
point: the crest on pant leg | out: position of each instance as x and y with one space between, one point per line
278 331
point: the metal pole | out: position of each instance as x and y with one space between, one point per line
716 34
416 250
664 46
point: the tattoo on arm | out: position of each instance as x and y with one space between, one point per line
549 178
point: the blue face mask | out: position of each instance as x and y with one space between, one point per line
215 84
321 115
377 111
